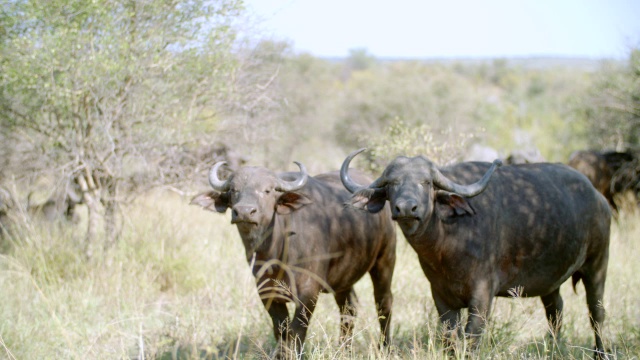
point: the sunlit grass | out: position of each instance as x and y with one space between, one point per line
177 285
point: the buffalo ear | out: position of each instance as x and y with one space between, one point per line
450 204
368 199
212 201
290 202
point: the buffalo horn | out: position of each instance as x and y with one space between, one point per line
348 183
296 184
351 185
217 184
465 190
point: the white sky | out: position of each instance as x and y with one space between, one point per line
458 28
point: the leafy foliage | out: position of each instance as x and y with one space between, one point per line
397 139
611 107
281 103
89 87
415 92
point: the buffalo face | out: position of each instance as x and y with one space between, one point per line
415 188
254 195
410 193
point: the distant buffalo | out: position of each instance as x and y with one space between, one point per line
301 241
521 230
479 152
524 156
610 172
62 205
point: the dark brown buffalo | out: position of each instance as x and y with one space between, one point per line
297 232
524 229
610 172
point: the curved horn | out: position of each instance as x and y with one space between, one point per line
465 190
217 184
348 183
351 185
296 184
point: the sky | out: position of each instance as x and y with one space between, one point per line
453 28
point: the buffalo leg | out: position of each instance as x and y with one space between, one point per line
281 326
594 287
479 309
381 275
300 323
449 320
280 319
347 302
553 307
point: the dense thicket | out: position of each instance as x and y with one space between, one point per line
611 107
116 96
91 92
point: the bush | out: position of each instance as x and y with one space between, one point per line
398 138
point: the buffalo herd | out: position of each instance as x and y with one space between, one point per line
480 230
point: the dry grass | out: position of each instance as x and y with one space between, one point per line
177 286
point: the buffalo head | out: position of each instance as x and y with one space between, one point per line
414 188
254 195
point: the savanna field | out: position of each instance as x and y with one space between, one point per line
121 108
177 286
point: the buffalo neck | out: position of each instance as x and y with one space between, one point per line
267 242
427 240
257 239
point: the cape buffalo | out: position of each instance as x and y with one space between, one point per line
525 227
61 205
524 156
610 172
297 233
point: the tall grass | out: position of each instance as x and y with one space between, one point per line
177 285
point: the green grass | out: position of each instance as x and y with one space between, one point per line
177 285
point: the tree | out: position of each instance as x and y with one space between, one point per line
415 92
443 147
612 106
88 88
359 59
278 104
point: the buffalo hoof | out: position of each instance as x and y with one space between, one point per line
601 354
283 352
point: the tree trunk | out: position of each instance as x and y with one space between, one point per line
89 197
111 212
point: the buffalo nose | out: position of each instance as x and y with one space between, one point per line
406 208
242 212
